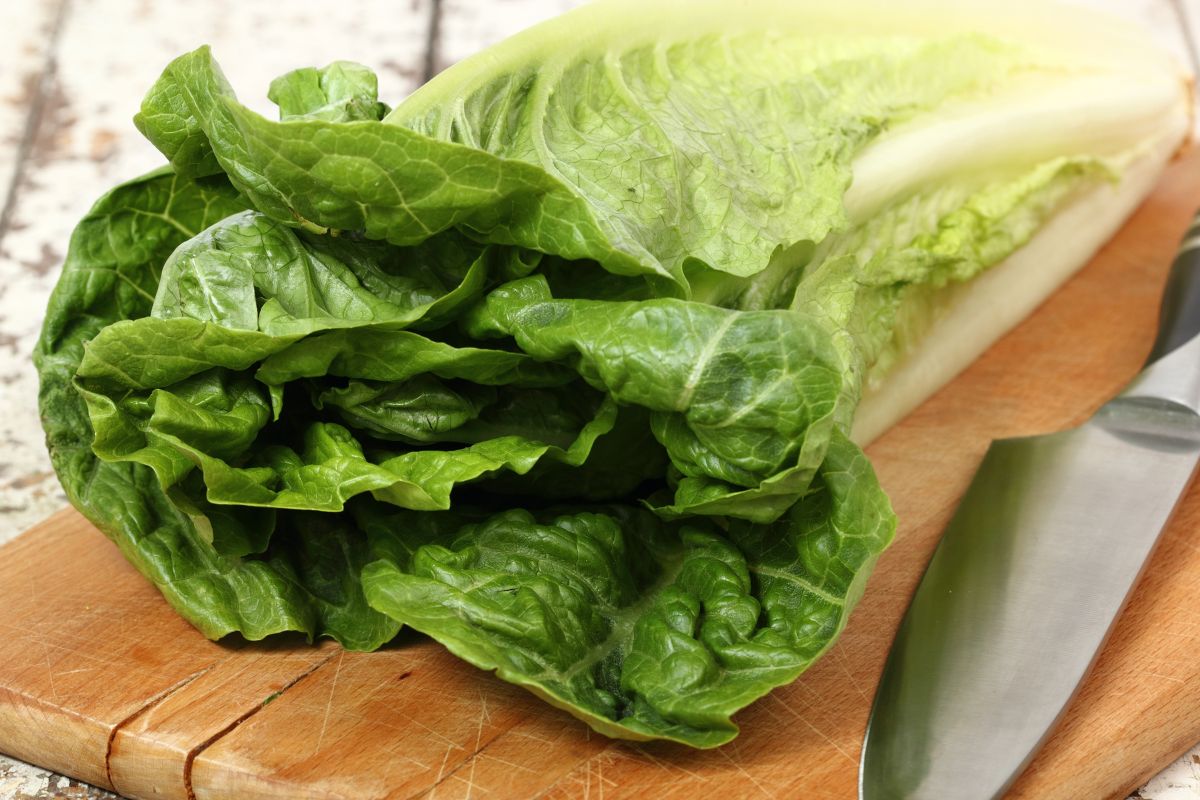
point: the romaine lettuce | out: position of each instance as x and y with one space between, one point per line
561 360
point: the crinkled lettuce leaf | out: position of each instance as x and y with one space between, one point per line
555 362
309 579
648 159
642 628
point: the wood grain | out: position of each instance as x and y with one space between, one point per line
85 648
99 678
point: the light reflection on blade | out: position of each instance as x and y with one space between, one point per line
1019 597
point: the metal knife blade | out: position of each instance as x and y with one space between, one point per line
1031 573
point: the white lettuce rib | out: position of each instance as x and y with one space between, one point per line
987 307
1116 96
1031 121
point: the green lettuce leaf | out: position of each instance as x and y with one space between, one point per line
556 361
739 398
341 92
384 180
249 272
596 155
643 629
111 274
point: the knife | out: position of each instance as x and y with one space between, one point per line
1032 572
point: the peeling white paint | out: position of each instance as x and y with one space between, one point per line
1180 781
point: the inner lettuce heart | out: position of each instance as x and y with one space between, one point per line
556 361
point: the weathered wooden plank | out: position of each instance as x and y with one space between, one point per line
468 26
29 31
26 59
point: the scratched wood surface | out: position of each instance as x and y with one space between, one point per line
70 72
101 680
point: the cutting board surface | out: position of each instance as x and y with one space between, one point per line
101 680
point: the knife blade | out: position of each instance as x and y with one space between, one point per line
1031 574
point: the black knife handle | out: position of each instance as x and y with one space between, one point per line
1179 316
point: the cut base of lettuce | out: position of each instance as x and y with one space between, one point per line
974 315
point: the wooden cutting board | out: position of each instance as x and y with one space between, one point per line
99 679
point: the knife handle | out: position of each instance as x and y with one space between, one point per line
1179 316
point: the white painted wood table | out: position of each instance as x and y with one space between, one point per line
71 75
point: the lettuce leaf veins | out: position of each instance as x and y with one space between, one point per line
557 360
